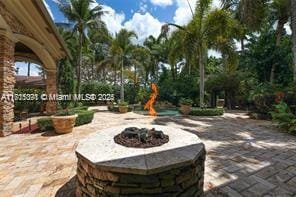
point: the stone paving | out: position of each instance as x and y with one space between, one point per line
244 157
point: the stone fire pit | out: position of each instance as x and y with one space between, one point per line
175 168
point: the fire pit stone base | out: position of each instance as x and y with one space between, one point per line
168 170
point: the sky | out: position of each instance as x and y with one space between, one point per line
145 17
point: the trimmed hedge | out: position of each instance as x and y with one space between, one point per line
45 124
116 108
207 112
84 117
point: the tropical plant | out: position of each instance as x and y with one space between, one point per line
186 101
84 15
121 49
293 25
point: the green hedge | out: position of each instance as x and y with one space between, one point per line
45 124
207 112
116 108
84 117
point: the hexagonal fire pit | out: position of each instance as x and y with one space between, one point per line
106 168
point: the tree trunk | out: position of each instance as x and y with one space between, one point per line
78 69
135 76
279 31
202 78
242 45
121 84
29 69
293 24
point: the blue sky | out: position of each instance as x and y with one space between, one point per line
145 17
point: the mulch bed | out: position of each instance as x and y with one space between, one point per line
137 143
26 130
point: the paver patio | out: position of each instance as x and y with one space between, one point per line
244 157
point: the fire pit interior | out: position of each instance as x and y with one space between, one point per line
141 137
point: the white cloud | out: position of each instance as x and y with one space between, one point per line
144 25
48 9
112 19
162 3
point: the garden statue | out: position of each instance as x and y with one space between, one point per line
151 101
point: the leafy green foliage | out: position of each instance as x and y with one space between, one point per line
31 106
186 101
84 117
45 124
283 116
206 112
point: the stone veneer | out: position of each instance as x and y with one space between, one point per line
173 169
7 82
51 89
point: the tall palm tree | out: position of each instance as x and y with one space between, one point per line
197 33
121 49
142 63
293 24
84 16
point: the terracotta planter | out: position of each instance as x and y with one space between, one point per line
123 109
185 109
64 124
220 103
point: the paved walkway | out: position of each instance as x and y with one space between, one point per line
244 157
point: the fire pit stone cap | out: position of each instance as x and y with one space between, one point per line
101 152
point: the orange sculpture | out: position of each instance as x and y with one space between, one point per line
151 101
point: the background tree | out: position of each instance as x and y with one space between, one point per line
84 17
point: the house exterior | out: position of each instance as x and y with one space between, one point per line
27 33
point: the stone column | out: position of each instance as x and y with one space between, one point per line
7 82
51 89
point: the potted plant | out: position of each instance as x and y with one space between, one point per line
123 107
64 121
185 105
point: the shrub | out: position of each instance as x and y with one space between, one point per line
30 106
96 88
84 117
184 101
115 108
206 112
123 104
45 124
283 117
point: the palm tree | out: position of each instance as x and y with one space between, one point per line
250 13
121 49
293 24
142 63
84 17
197 32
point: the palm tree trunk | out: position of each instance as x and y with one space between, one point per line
202 77
135 76
121 83
242 41
78 69
29 69
293 24
279 31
